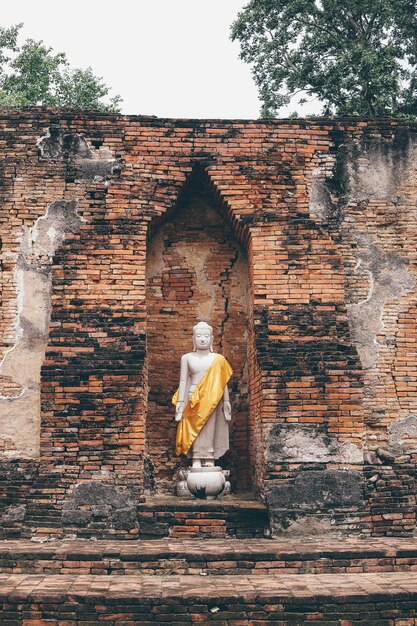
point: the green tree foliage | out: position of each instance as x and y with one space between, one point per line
358 57
32 74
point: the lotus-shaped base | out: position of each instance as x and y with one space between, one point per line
206 482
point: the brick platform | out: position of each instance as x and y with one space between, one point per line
239 516
222 582
220 557
231 516
339 599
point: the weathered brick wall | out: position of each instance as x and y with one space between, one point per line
324 211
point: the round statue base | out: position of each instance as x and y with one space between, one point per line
206 482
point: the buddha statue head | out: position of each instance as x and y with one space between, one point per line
202 337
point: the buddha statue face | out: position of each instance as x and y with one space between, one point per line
202 337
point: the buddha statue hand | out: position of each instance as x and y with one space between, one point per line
227 411
179 411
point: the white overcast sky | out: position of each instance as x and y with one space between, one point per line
170 58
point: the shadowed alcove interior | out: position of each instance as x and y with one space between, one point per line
196 270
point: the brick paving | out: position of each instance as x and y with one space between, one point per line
384 546
222 557
368 582
37 587
330 600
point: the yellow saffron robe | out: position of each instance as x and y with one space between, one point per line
205 398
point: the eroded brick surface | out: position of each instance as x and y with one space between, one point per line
323 210
329 599
175 556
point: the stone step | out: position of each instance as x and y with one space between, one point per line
215 557
234 515
378 599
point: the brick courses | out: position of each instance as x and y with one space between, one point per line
331 600
177 556
324 211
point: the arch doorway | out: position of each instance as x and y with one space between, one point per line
196 270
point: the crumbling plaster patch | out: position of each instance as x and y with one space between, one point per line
389 280
309 444
299 525
322 201
318 490
20 412
98 500
91 163
402 435
365 170
376 168
196 258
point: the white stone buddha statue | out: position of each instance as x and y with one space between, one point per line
202 402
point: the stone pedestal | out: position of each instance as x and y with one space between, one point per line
181 488
206 482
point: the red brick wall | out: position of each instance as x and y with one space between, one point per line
324 210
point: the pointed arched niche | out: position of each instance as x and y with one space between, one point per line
196 270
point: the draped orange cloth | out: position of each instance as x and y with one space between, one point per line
202 403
